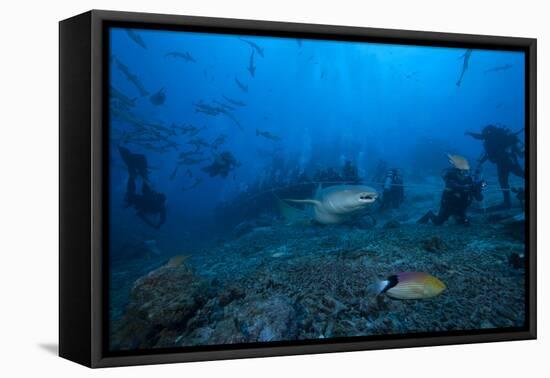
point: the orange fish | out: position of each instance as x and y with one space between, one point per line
176 261
411 285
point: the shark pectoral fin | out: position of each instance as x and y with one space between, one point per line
289 213
308 201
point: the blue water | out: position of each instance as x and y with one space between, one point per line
323 102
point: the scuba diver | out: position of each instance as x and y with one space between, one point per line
461 189
502 147
520 195
394 191
223 163
380 171
136 163
350 173
148 204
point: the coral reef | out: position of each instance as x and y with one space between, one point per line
162 301
284 282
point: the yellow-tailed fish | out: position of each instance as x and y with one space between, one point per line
459 162
411 285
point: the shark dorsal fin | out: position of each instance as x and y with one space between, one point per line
317 194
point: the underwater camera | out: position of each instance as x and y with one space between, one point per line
234 188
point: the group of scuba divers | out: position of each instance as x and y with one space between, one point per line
149 204
501 146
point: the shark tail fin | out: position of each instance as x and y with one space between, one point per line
257 132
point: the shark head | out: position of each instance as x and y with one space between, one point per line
355 198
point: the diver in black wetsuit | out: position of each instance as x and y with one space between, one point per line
222 165
460 190
502 147
149 204
136 163
520 195
394 191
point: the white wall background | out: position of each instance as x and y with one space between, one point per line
29 189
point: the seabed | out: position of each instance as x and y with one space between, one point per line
270 280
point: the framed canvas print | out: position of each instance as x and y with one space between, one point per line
233 188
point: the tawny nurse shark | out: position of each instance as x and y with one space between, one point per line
339 203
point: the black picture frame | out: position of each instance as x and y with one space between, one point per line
83 194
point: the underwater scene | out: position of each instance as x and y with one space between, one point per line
269 189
